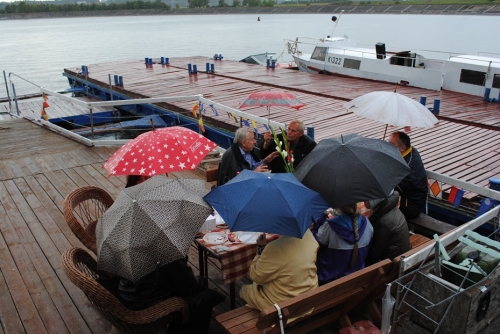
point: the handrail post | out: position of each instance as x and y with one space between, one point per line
14 97
91 122
7 89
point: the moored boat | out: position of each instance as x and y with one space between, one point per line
469 74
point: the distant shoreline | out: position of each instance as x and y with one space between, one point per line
488 10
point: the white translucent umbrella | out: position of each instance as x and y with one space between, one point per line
392 108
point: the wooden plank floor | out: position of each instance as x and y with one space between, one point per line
38 169
465 144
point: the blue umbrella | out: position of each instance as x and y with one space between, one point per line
263 202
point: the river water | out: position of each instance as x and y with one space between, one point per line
39 49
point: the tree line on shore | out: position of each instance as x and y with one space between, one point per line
45 7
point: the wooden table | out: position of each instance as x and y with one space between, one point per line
235 260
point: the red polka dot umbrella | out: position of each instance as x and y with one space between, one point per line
160 151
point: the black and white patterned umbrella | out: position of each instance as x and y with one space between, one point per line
150 225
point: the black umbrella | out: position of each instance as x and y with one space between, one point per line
352 168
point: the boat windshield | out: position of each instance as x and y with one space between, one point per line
319 53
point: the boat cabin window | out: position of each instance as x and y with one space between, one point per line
319 53
473 77
405 58
352 63
496 81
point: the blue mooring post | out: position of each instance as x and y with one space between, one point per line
273 63
150 61
120 80
167 61
437 104
268 62
190 68
212 68
116 80
146 60
207 67
423 100
310 132
195 69
162 60
486 96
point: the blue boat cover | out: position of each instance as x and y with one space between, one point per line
144 123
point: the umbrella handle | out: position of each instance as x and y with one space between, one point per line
383 138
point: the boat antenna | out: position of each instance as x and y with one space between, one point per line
336 20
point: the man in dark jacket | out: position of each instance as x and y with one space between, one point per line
413 188
241 155
300 146
173 279
390 230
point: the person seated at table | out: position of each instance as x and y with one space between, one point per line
283 269
343 240
173 279
390 230
242 155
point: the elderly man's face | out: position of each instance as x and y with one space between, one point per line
293 133
248 144
394 140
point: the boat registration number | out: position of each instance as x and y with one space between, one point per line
335 60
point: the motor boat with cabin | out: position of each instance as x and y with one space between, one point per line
469 74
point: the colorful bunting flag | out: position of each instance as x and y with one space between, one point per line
265 125
231 116
214 110
436 188
195 110
202 107
200 123
245 121
254 124
455 196
44 114
485 206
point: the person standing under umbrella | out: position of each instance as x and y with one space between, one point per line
300 145
241 155
343 240
391 237
413 188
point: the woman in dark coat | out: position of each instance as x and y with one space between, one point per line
390 230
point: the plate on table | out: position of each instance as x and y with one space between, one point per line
215 238
248 237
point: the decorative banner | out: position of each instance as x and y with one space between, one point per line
195 110
436 189
200 123
265 125
214 110
455 196
231 116
44 115
245 121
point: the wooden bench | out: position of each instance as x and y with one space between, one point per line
330 303
429 226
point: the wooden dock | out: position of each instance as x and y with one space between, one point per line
465 144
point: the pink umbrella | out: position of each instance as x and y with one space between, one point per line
272 98
160 151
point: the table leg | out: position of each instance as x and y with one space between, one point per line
232 297
201 261
205 254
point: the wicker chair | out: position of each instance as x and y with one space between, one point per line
82 208
81 269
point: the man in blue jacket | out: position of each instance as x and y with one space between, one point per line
413 188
